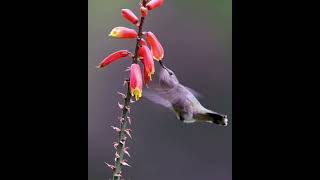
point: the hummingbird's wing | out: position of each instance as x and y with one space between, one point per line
194 92
155 97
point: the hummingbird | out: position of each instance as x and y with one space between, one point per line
181 100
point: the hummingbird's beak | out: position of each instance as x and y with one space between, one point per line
164 67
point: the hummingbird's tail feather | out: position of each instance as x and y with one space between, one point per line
212 117
218 118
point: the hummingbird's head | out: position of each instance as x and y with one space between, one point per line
167 78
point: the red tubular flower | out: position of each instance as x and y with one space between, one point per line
113 57
148 63
143 11
154 4
123 32
146 77
136 81
156 48
143 42
130 16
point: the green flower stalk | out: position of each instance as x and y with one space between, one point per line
142 55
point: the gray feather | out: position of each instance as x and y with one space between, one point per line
156 98
194 92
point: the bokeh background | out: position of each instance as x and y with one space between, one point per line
197 38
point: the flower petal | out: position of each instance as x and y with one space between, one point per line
113 57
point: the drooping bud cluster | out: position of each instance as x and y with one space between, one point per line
146 51
144 54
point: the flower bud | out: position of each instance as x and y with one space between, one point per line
135 81
154 4
130 16
123 32
148 63
113 57
143 11
143 42
156 48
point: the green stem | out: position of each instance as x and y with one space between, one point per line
122 135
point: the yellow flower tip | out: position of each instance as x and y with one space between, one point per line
99 66
137 97
137 93
158 59
114 32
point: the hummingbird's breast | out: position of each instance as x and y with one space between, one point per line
183 110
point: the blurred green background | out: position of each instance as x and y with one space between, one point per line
197 38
